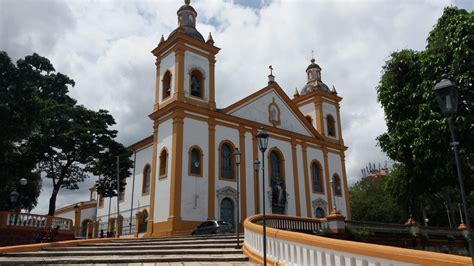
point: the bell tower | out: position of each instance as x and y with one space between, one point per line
320 105
185 64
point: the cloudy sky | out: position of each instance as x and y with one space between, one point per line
105 47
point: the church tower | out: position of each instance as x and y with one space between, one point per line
185 64
320 105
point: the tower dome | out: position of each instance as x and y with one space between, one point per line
187 21
313 73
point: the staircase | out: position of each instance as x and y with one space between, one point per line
179 250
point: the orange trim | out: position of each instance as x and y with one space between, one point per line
157 85
279 91
243 175
326 171
149 226
296 177
339 128
176 169
180 37
212 169
325 96
346 189
141 144
212 94
68 243
363 249
179 73
178 106
257 258
306 180
256 189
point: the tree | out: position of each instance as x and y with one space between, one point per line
18 117
417 134
66 141
370 202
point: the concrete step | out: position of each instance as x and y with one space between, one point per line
124 259
213 251
172 238
176 242
141 247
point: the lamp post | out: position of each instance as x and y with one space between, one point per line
237 224
447 212
447 97
256 167
262 140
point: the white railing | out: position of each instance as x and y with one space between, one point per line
26 220
293 248
37 221
61 223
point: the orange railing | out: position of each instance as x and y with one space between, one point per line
287 247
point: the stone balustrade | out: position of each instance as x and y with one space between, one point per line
287 247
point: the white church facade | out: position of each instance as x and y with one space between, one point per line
186 173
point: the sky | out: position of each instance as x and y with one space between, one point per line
105 47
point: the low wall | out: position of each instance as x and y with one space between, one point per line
292 248
26 228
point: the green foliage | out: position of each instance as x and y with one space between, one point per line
50 131
417 134
359 235
371 202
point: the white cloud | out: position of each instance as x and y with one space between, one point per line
105 47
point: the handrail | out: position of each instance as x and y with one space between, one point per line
28 220
294 248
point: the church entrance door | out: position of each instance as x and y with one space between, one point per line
227 210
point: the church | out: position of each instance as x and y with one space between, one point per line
186 171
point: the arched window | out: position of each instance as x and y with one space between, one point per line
197 84
277 182
309 119
146 180
337 185
226 158
320 213
195 161
331 125
317 177
163 163
166 92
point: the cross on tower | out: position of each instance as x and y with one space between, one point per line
271 69
312 54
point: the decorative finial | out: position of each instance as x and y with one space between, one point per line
296 94
187 2
312 54
162 39
333 90
210 40
271 78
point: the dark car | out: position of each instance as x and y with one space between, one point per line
213 227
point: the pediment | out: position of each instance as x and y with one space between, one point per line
272 107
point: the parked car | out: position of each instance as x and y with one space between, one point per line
213 227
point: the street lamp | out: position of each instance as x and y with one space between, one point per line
237 162
447 96
14 195
262 140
